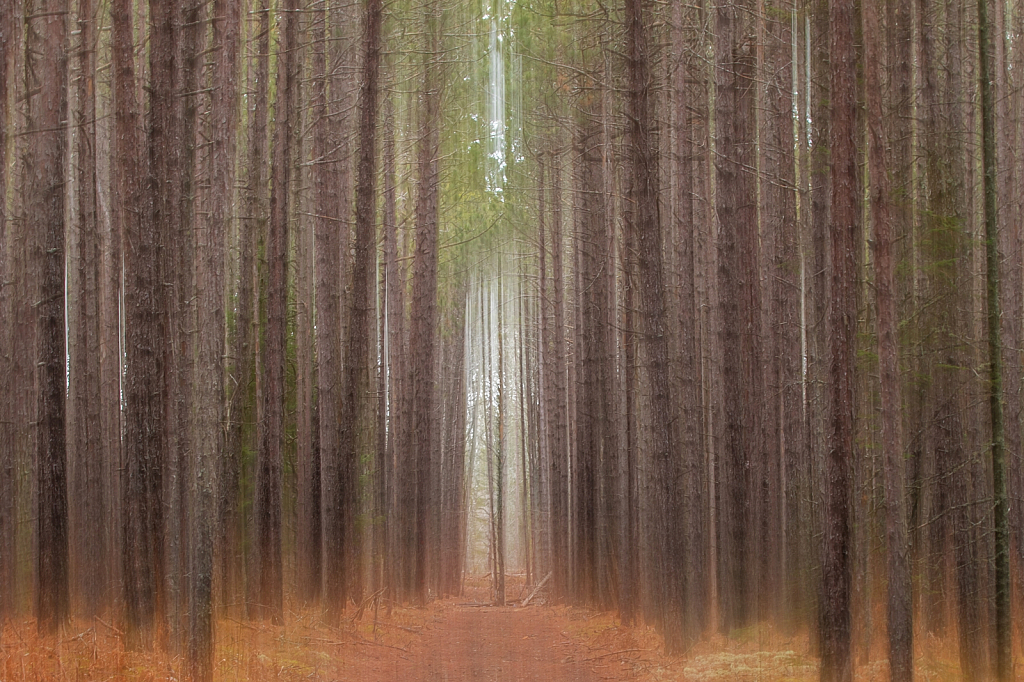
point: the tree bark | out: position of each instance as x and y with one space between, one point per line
356 423
242 433
397 417
739 283
689 387
450 545
141 510
178 194
643 194
836 664
423 313
46 70
545 343
328 230
88 492
899 607
1003 622
111 354
7 452
208 368
268 500
559 476
308 502
591 290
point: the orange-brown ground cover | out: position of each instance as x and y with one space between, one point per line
455 639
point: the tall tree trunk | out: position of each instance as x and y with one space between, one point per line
308 503
356 424
959 274
486 304
836 664
243 395
899 137
208 368
395 312
178 192
342 68
24 274
545 350
111 354
268 500
818 56
328 230
452 435
782 277
88 492
610 490
739 281
141 508
244 409
899 607
684 239
46 73
591 288
7 451
525 444
559 478
499 448
1011 240
643 194
423 314
1003 622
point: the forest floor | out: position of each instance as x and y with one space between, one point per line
457 639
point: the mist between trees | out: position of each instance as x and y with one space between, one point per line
710 315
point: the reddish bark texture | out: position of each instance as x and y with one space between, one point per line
836 664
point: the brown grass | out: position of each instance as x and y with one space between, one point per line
305 648
375 645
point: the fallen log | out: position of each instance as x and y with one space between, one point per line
536 589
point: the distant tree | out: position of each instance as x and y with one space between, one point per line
492 434
450 544
499 447
559 475
545 341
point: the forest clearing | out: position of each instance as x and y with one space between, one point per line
512 339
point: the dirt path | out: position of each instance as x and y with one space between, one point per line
448 640
495 644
